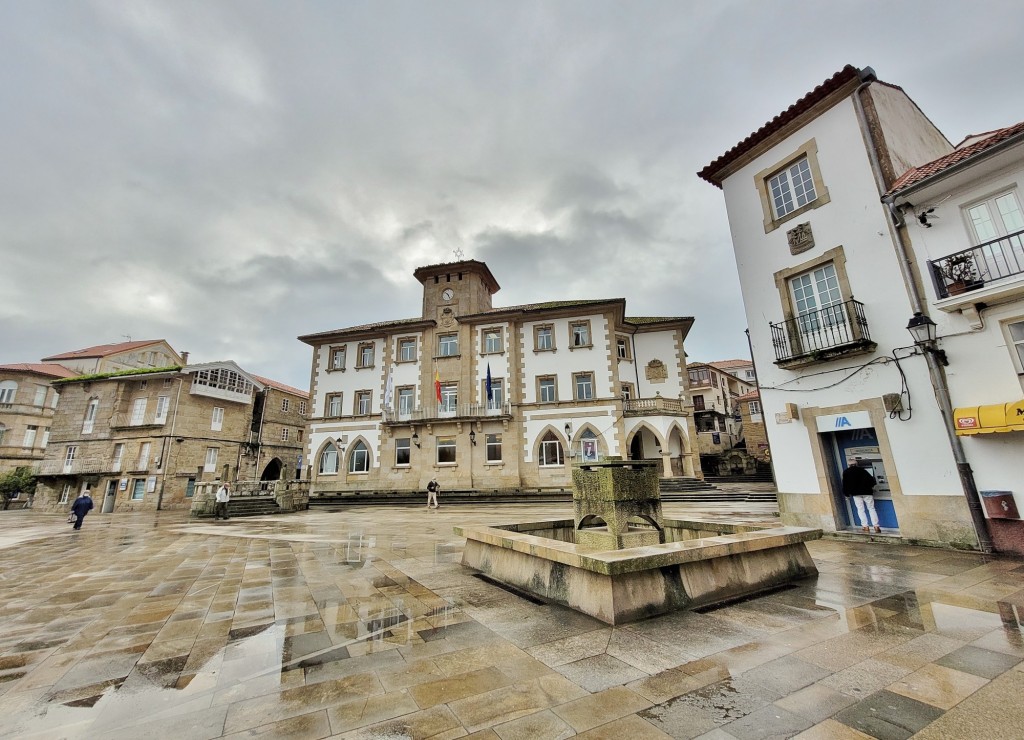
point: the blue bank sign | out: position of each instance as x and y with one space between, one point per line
844 422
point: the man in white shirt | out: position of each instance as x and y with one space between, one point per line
220 509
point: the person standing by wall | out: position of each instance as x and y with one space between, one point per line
859 485
220 508
81 507
432 489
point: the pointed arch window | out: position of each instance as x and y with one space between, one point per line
329 460
551 453
588 446
359 459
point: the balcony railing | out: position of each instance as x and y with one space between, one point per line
970 269
455 411
652 406
818 335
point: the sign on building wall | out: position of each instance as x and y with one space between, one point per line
843 422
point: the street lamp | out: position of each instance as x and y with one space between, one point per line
923 330
472 437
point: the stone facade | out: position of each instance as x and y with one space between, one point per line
568 378
27 403
143 441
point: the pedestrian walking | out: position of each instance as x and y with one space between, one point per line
859 484
220 508
81 507
432 490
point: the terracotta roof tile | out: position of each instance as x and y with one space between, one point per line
843 77
750 396
976 146
51 369
726 364
281 386
102 350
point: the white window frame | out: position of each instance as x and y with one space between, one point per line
118 458
210 463
139 411
163 404
448 345
65 494
46 438
284 434
334 405
8 391
792 188
407 349
492 343
367 350
547 381
337 358
138 491
550 447
359 458
583 386
217 419
328 464
449 398
69 457
90 416
31 431
579 334
544 338
364 403
40 399
144 450
285 404
754 407
406 400
302 408
497 401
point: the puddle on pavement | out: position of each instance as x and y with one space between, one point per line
252 663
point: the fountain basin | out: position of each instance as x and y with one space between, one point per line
699 563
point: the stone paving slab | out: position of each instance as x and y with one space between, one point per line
363 623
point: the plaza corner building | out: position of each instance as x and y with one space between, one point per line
486 398
857 226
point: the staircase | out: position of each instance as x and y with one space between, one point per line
252 506
765 477
686 490
691 490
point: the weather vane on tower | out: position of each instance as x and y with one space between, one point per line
459 254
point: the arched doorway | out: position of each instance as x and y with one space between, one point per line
273 470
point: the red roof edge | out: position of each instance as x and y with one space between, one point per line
840 79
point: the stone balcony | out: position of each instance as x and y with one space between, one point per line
439 413
657 406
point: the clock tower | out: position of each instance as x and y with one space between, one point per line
456 289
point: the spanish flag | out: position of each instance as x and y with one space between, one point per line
437 386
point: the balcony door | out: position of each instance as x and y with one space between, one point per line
820 312
998 224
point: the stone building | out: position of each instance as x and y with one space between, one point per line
27 403
714 392
495 398
142 440
109 358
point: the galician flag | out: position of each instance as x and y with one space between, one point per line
437 386
490 392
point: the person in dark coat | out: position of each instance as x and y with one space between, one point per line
81 507
859 484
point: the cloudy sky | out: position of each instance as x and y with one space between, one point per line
229 175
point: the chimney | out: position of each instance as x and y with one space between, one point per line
184 358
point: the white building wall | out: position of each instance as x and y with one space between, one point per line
856 221
657 345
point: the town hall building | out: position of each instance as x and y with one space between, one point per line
495 398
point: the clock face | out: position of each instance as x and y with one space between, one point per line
447 294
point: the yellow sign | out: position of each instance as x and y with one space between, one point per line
999 417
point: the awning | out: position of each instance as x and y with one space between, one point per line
999 417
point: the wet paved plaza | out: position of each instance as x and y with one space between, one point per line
362 623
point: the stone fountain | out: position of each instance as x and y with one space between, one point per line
620 560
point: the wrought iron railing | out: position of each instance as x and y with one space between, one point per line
822 331
970 269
